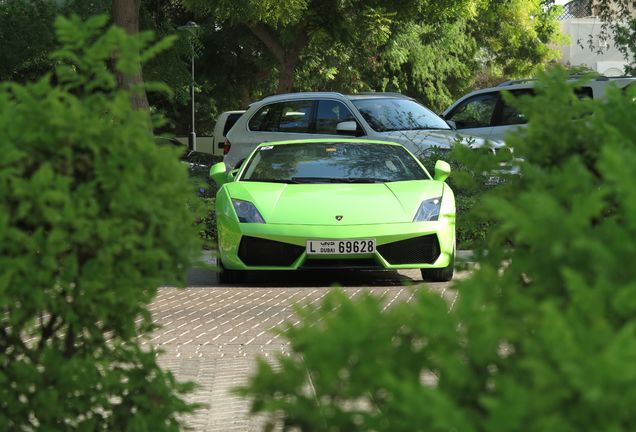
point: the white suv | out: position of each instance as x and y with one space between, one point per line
484 113
384 116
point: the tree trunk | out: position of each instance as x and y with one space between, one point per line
287 57
286 75
126 16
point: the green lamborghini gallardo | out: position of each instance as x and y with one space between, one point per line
334 203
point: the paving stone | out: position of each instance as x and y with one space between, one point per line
212 334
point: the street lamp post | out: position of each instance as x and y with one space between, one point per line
191 26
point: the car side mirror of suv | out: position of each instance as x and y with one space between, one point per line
442 170
217 173
347 128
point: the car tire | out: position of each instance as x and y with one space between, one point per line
231 277
440 274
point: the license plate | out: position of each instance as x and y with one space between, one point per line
340 247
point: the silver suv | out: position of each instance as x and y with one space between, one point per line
484 113
383 116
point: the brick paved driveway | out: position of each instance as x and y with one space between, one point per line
211 334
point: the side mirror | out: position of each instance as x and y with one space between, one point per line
347 128
442 170
232 174
217 173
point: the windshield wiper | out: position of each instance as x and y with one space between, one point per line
288 181
366 180
339 180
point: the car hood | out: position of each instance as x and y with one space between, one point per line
418 141
319 204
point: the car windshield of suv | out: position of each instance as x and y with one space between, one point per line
332 162
386 115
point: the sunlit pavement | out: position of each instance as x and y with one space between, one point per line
211 334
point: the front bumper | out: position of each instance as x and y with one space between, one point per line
251 246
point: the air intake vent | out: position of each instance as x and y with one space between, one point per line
255 251
418 250
358 263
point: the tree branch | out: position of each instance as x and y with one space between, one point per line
47 330
300 43
269 39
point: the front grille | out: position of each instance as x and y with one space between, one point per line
255 251
358 263
418 250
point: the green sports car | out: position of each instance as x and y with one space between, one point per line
334 203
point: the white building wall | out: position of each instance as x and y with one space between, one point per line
609 63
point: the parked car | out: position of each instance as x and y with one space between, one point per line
382 116
224 123
484 113
334 203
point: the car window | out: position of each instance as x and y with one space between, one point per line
266 118
584 92
231 120
295 116
288 116
629 89
511 115
329 114
384 115
326 162
475 112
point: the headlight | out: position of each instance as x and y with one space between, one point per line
429 210
247 212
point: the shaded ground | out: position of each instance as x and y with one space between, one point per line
211 334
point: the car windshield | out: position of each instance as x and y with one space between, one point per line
332 162
387 115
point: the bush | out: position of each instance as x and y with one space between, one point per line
470 181
542 336
92 220
199 170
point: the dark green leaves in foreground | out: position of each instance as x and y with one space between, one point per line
542 337
93 218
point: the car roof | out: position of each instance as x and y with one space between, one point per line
531 82
329 140
336 95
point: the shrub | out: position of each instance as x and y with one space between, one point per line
470 180
92 220
542 336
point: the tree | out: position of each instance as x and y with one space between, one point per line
286 29
26 37
93 218
542 336
27 34
429 50
126 16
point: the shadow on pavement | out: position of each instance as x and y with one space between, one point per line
306 278
205 275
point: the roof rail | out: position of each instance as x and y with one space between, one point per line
571 76
373 93
307 93
608 78
515 81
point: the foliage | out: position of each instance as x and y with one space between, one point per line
25 42
431 50
91 223
203 207
618 24
471 178
422 48
542 336
27 34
